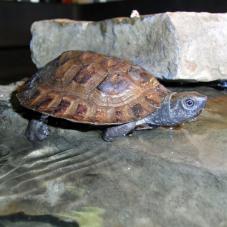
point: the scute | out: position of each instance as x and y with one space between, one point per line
114 84
61 107
87 87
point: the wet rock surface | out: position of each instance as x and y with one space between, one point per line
172 46
162 177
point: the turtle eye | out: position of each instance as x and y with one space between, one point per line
189 103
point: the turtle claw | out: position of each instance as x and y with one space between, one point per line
36 131
107 138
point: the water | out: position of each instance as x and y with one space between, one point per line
154 178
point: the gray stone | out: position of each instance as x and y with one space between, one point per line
7 90
162 177
173 46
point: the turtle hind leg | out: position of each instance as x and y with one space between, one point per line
37 130
120 130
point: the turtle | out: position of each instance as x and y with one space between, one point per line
93 88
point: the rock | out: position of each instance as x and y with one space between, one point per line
173 46
162 177
7 90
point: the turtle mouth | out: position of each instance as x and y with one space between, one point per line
195 117
203 104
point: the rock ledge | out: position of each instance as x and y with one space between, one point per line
173 46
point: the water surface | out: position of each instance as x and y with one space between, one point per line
162 177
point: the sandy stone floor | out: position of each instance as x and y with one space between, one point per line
156 178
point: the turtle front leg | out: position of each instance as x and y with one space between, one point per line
120 130
37 130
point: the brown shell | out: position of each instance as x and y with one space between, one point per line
92 88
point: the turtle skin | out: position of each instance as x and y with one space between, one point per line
92 88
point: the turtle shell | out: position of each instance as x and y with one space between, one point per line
87 87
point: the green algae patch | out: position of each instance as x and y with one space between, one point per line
86 217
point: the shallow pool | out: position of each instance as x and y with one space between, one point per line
153 178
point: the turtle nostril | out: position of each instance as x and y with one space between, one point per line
205 98
204 102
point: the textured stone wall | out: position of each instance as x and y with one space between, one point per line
172 46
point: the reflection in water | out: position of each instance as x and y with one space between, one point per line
161 177
23 220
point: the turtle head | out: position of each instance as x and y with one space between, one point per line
181 107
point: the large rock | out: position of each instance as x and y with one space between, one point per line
172 46
154 178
